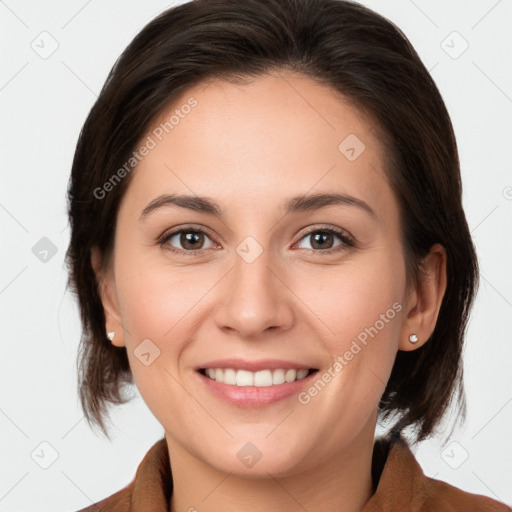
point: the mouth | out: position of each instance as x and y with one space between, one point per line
247 389
262 378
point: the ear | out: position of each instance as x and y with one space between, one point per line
106 288
424 301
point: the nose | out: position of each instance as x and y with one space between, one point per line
254 299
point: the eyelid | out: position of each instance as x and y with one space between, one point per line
343 233
168 234
345 237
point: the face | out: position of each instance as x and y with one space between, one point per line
266 283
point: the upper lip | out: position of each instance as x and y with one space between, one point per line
254 366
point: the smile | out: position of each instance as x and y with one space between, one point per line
247 389
262 378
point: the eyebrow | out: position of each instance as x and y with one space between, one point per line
302 203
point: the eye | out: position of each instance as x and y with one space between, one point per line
191 240
322 240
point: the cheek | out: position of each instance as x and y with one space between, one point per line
355 297
155 298
360 311
156 307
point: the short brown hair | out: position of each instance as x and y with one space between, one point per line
356 52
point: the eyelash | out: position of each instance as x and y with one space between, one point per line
343 236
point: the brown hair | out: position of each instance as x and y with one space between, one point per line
359 54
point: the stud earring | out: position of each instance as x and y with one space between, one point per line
413 338
110 335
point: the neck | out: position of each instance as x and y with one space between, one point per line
340 483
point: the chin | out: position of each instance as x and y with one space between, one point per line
258 459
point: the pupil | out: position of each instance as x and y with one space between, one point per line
321 236
189 238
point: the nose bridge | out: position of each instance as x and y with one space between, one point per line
252 277
253 300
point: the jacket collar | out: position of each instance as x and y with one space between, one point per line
398 480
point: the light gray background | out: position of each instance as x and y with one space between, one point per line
45 100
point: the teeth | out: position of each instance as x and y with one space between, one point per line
262 378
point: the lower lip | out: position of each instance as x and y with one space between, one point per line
255 396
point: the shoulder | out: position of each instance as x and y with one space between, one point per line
150 489
437 493
118 502
401 485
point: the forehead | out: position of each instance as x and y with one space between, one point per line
258 143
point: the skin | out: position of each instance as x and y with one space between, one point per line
251 147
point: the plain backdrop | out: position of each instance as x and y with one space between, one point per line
56 56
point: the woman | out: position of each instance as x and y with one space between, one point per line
268 240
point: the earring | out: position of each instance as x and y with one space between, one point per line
413 338
110 335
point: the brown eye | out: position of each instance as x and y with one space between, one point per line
191 240
325 240
186 240
322 240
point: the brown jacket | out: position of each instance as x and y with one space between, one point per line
399 485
